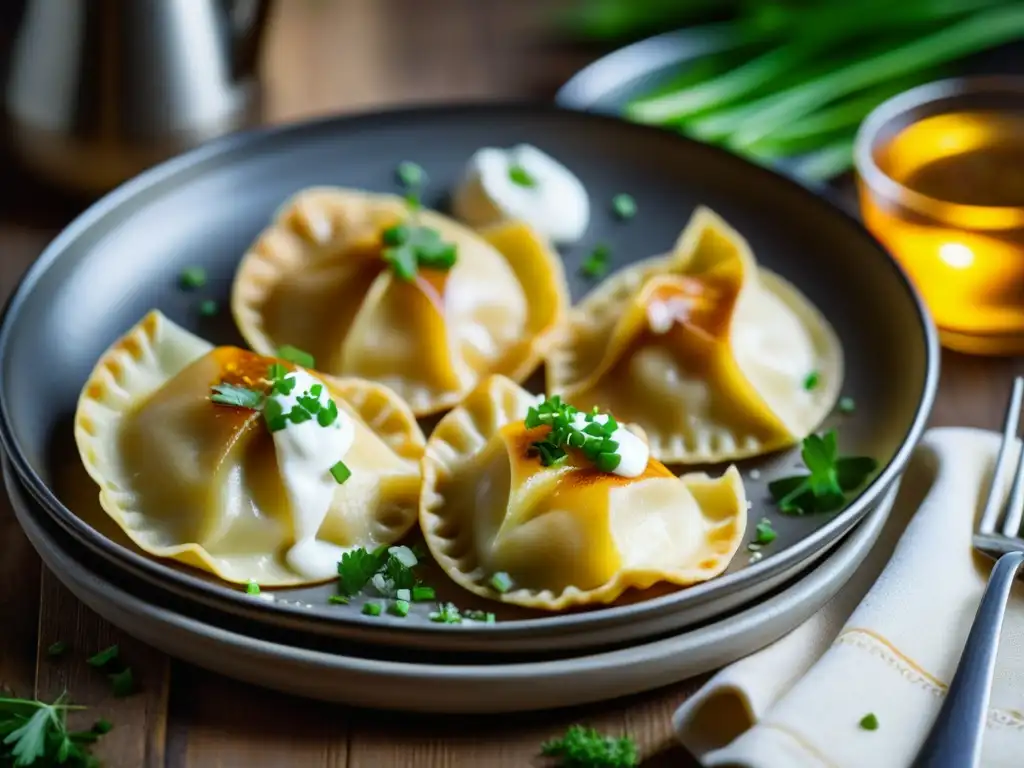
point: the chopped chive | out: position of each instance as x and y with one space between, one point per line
501 582
252 588
337 600
123 682
521 176
400 608
371 609
608 462
104 657
403 594
58 648
422 594
596 264
340 472
812 380
446 613
624 206
487 618
296 355
192 278
273 415
411 174
869 722
846 405
208 308
764 533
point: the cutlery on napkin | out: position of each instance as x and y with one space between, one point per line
887 644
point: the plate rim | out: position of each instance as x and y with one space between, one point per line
166 171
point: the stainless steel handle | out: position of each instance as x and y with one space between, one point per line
248 22
956 736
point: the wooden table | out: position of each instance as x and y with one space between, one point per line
326 56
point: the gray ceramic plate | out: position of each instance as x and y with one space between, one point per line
336 673
123 256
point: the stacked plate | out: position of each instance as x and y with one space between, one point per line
122 257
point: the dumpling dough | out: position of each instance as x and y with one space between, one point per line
566 535
710 355
199 483
316 279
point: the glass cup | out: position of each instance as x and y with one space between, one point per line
941 183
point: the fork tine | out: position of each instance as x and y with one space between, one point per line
1015 504
992 503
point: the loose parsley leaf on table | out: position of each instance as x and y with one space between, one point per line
35 733
586 748
831 478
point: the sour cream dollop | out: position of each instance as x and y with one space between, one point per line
634 453
305 454
526 184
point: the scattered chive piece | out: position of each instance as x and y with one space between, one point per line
239 397
422 594
58 648
596 264
208 308
192 278
501 582
102 726
340 472
296 355
485 617
764 533
371 609
869 722
411 174
407 249
624 206
812 381
123 682
104 657
446 613
337 600
403 594
252 588
400 608
521 176
846 405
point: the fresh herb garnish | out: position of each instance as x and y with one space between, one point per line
596 264
208 308
371 609
422 594
586 748
104 657
35 733
357 567
338 600
252 588
869 722
593 438
846 405
239 397
831 478
624 206
812 380
501 582
192 278
123 682
340 472
519 175
411 174
764 533
296 355
482 616
400 608
57 649
446 613
408 248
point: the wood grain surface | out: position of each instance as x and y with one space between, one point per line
326 56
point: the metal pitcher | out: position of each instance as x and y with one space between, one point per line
98 90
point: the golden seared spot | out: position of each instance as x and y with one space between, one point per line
132 346
242 368
703 305
95 390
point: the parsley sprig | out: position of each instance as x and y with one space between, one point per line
410 247
594 439
586 748
36 733
388 568
830 478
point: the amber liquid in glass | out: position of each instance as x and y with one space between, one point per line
963 246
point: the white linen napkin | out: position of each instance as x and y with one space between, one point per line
887 644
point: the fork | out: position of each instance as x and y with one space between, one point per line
956 736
